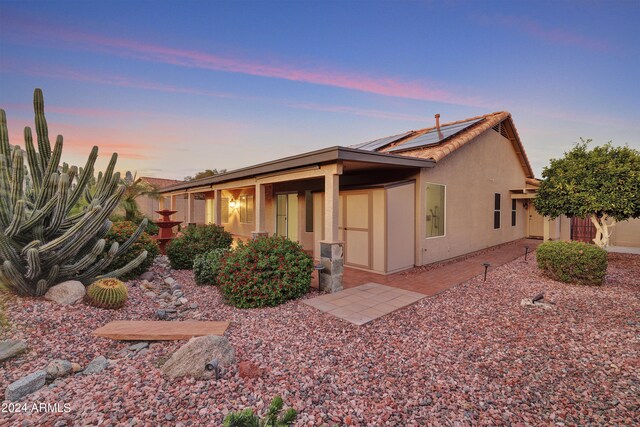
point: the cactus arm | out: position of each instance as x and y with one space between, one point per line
38 215
17 179
50 173
85 174
134 237
6 209
33 159
14 278
84 262
105 179
18 219
61 208
5 148
95 269
33 264
71 233
8 252
44 147
123 270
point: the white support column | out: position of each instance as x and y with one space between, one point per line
190 208
259 209
217 208
172 202
331 205
161 203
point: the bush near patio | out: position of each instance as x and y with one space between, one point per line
196 240
265 272
120 232
206 267
573 262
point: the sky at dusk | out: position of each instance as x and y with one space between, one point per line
178 87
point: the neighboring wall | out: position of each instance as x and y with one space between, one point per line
626 233
472 174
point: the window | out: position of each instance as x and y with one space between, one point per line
496 211
245 209
514 212
308 211
435 210
224 217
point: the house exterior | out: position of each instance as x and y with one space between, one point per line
385 205
149 205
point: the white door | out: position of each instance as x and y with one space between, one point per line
287 215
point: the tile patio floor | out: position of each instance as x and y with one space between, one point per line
368 296
364 303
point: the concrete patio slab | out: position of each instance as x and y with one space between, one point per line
364 303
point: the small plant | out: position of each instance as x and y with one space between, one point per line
107 293
206 267
265 272
196 240
573 262
151 228
120 232
273 417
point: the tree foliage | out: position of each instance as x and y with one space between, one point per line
134 188
204 174
602 184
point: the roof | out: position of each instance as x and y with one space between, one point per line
324 156
501 122
160 182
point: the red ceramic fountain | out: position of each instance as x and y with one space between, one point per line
165 224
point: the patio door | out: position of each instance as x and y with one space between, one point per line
287 215
354 229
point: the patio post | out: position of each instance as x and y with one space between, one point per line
217 208
331 248
259 212
190 208
161 203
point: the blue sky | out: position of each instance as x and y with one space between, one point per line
177 87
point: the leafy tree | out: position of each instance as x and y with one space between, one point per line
204 174
134 188
602 184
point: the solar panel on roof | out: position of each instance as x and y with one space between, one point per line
379 143
434 137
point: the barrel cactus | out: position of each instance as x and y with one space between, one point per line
42 241
107 293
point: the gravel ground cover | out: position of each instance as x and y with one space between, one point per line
471 355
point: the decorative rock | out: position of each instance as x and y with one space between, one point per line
75 367
97 365
527 302
161 314
183 301
10 348
150 294
178 293
58 368
165 295
25 385
169 280
148 276
249 370
191 358
177 302
139 346
66 293
193 306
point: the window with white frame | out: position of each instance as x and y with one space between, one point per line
435 215
245 209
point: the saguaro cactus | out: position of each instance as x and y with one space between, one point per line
41 242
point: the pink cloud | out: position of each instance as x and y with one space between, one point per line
387 86
551 35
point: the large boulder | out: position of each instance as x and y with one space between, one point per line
10 348
25 385
66 293
190 359
96 366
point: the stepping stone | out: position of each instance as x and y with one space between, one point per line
149 330
10 348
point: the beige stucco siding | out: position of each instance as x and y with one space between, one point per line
472 175
400 233
626 233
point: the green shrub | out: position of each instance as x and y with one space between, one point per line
247 418
151 229
207 266
573 262
196 240
265 272
120 232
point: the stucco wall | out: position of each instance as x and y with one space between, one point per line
626 233
148 206
472 175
